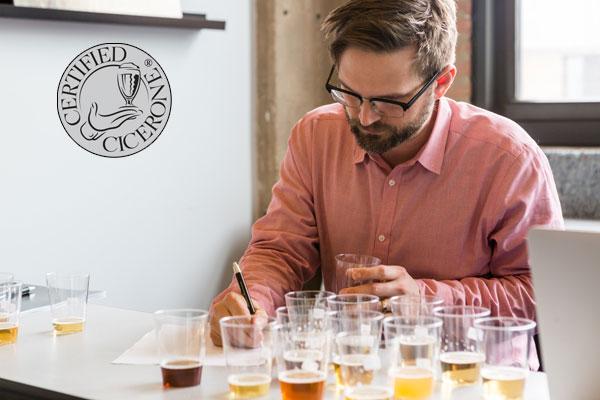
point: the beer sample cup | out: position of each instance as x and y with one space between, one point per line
410 305
345 262
302 360
180 335
248 349
461 355
10 306
356 337
508 343
413 347
354 302
68 301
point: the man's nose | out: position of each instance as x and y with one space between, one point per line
367 114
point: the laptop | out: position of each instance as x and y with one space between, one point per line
566 278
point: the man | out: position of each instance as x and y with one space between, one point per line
442 192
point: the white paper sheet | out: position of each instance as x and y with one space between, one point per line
143 352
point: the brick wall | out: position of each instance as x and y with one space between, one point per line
461 89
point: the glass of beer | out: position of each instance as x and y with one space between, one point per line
355 352
68 295
461 355
508 343
354 302
302 352
180 335
345 262
10 306
412 344
410 305
248 349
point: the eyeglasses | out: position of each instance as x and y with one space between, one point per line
381 106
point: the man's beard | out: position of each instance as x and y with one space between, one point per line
387 136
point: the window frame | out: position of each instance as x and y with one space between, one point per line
551 124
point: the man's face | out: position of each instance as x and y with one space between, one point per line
386 75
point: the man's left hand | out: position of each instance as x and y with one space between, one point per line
387 281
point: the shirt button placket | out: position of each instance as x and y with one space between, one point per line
384 226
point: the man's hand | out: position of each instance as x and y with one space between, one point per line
387 281
232 304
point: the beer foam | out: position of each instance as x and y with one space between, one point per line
299 377
68 320
8 325
411 373
249 379
368 393
503 373
462 357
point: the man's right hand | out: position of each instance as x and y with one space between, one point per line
232 304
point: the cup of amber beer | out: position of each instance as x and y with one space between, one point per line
302 354
248 349
68 301
180 335
10 306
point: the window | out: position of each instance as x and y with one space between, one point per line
538 63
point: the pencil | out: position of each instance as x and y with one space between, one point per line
240 280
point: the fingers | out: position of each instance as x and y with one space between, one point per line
232 304
381 273
402 284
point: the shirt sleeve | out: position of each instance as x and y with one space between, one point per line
283 252
525 197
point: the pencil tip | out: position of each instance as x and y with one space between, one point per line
236 267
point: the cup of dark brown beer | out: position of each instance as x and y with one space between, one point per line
180 335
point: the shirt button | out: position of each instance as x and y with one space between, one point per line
381 238
392 182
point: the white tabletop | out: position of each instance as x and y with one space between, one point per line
80 364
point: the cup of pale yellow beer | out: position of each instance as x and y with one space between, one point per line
180 335
355 351
410 305
461 354
508 344
412 344
10 307
68 295
248 350
302 350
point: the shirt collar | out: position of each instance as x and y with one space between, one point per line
431 155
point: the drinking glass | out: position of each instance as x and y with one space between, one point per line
507 343
248 350
10 307
302 351
345 262
6 277
180 335
412 344
68 301
356 336
461 355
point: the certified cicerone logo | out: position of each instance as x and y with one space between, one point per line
114 100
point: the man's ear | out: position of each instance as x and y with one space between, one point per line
444 81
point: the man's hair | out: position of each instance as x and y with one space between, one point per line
388 25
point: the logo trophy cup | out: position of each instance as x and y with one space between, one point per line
128 79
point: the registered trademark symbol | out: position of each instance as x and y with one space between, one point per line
148 62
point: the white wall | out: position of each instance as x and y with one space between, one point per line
156 229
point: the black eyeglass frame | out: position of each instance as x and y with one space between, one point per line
405 106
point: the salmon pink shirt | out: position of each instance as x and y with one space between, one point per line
455 216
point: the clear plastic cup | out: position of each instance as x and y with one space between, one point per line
10 308
346 262
68 295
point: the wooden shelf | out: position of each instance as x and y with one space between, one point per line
189 21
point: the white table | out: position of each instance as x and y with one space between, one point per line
79 365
